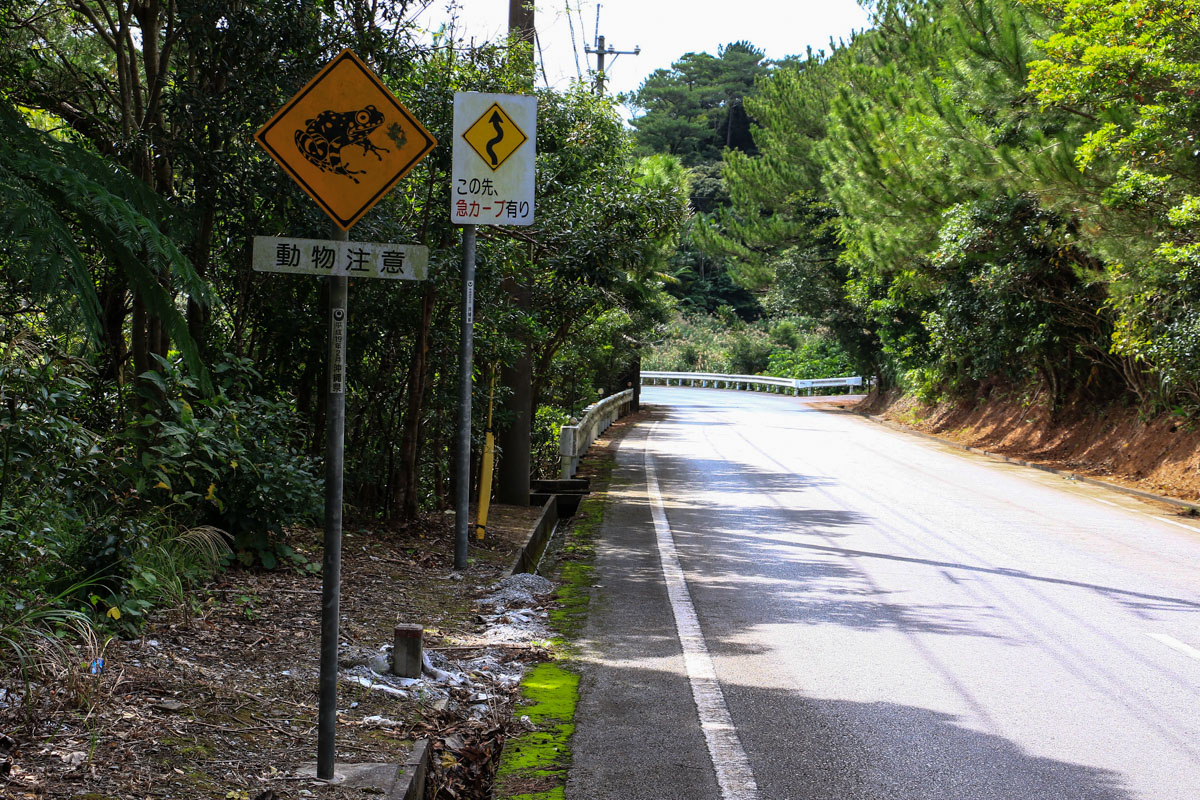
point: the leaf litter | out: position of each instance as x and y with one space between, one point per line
222 703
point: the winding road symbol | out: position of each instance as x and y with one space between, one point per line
495 136
497 123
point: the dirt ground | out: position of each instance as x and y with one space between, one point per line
1159 455
223 703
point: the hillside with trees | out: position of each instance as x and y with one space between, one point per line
972 192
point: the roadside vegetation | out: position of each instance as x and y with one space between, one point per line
729 345
161 404
970 193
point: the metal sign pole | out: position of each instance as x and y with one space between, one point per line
462 495
331 569
492 183
295 138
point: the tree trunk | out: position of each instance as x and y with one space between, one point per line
140 338
512 484
418 382
514 441
521 19
201 258
112 303
633 380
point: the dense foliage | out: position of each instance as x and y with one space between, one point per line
976 190
724 344
696 114
161 404
696 109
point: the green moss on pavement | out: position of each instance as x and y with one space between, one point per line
534 765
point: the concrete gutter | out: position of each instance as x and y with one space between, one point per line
413 773
529 555
1116 487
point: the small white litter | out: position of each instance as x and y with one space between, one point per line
381 721
378 686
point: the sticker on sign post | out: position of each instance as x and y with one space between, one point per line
493 161
337 351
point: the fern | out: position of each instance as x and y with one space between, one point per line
61 200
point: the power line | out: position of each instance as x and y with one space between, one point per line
582 30
541 58
574 44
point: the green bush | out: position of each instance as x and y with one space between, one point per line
120 522
809 357
547 424
1010 300
159 570
700 343
227 461
51 468
748 353
782 349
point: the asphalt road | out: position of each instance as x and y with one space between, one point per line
878 616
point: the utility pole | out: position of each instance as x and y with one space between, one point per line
601 51
520 19
512 480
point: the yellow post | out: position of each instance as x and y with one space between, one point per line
489 458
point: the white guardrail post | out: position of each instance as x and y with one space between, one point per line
574 440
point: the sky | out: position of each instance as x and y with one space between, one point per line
663 29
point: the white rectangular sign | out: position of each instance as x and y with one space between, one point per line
329 257
495 138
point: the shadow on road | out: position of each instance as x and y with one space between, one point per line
638 736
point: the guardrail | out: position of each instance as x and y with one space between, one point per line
750 382
574 440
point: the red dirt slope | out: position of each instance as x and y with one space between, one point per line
1159 455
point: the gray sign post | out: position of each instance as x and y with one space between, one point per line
462 495
346 184
336 258
492 184
331 562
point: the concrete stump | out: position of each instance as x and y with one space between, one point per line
406 650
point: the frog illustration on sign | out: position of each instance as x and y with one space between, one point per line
324 136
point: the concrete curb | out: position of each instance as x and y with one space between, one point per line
527 558
387 779
896 426
415 769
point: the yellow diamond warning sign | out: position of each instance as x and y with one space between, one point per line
494 136
345 139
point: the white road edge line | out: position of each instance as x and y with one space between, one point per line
1170 521
1175 644
734 776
